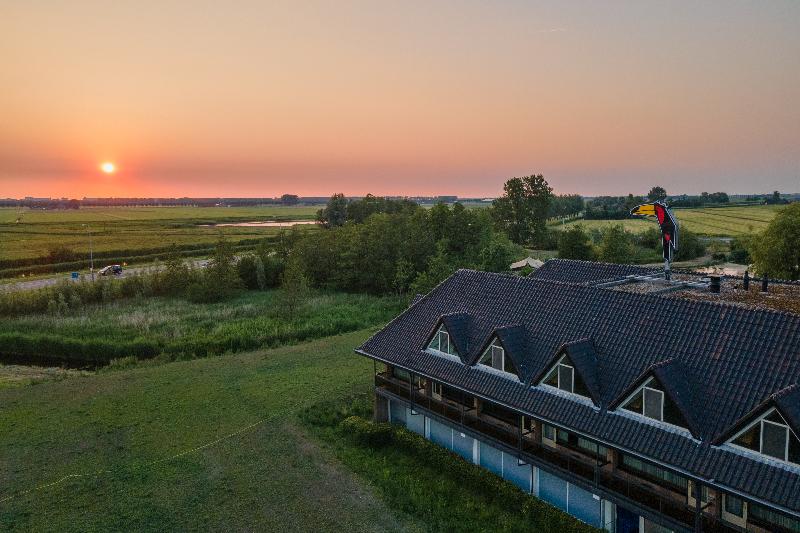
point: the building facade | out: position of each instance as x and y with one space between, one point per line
619 407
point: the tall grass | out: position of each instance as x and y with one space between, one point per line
172 328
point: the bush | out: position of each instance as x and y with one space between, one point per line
616 245
574 243
367 433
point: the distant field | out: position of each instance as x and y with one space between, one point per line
29 233
712 222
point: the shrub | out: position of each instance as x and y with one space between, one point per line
367 433
574 243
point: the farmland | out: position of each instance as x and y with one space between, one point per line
33 233
708 221
151 443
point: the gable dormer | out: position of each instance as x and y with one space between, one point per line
662 393
497 357
450 335
771 429
573 369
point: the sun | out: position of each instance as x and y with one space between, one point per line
108 167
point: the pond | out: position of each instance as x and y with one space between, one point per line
265 224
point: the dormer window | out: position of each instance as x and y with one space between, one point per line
441 342
770 435
651 401
562 376
495 357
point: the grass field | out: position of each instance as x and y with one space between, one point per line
31 233
711 222
172 328
146 445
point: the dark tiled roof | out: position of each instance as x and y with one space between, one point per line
458 326
587 272
516 346
724 362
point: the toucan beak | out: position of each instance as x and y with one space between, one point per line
644 210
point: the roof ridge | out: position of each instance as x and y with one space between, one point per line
632 295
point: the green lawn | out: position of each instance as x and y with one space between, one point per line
269 478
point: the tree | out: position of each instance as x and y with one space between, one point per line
776 250
294 287
657 193
616 245
290 199
689 246
335 213
176 274
497 255
523 209
574 243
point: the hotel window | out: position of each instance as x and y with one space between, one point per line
495 356
734 508
771 436
651 401
441 342
655 473
548 434
563 377
768 518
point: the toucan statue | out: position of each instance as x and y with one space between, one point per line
668 225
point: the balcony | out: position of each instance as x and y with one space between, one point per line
577 467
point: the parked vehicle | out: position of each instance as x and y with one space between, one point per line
110 270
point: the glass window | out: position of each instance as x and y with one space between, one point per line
734 506
548 432
653 403
437 388
769 517
565 377
401 374
774 439
655 472
441 342
635 404
552 378
750 439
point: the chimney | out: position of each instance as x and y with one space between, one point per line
764 283
746 280
715 284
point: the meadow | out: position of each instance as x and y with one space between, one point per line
707 221
171 328
129 231
217 444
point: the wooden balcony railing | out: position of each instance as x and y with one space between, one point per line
585 467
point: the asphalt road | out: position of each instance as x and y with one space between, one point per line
46 282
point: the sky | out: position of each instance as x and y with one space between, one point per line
236 99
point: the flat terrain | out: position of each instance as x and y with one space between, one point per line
711 222
134 425
28 233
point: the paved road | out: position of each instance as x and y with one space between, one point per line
46 282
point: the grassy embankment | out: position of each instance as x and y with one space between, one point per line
707 221
134 425
137 234
172 328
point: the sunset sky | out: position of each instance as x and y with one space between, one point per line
263 98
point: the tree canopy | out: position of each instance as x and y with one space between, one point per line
776 251
523 209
